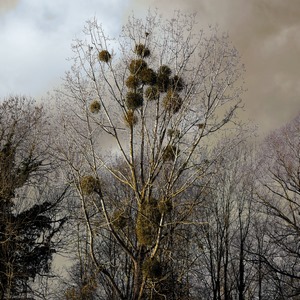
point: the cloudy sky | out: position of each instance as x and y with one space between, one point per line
36 35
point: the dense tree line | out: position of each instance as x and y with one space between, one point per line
144 177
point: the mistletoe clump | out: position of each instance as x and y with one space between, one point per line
164 70
95 107
130 118
152 268
177 83
152 93
165 206
172 101
89 184
136 66
141 50
163 78
104 56
119 219
169 153
147 76
134 100
133 82
148 218
173 133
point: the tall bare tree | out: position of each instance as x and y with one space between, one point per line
224 237
280 196
143 110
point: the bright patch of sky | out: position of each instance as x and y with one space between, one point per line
36 38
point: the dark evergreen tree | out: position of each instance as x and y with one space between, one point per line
28 222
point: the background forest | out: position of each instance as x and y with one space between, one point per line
136 179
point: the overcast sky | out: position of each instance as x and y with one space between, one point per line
36 35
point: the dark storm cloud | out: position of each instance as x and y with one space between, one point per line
267 35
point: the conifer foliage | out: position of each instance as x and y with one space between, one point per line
27 225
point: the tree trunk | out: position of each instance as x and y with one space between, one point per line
138 275
241 285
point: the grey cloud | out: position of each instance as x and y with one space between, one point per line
36 38
36 35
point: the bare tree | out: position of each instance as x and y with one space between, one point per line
279 194
224 237
143 110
